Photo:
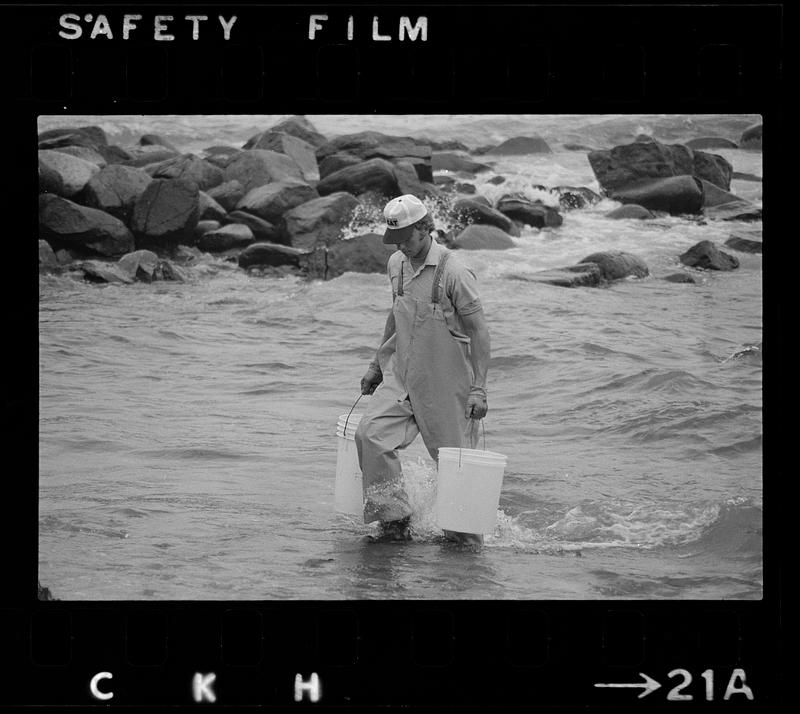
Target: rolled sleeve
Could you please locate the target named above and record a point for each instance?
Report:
(462, 289)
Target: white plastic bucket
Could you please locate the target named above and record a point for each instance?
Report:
(348, 491)
(468, 489)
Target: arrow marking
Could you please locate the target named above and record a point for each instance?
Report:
(649, 684)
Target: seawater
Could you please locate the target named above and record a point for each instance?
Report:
(187, 443)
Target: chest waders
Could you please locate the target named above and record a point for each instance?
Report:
(426, 382)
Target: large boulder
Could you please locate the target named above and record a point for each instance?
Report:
(99, 271)
(713, 168)
(616, 264)
(715, 196)
(751, 138)
(477, 237)
(408, 180)
(86, 153)
(156, 140)
(631, 211)
(301, 151)
(637, 161)
(115, 190)
(707, 256)
(361, 254)
(571, 197)
(147, 155)
(738, 210)
(302, 128)
(91, 136)
(233, 235)
(467, 210)
(190, 168)
(113, 154)
(166, 213)
(227, 194)
(319, 221)
(266, 254)
(256, 167)
(139, 265)
(334, 162)
(373, 176)
(373, 144)
(271, 201)
(221, 156)
(452, 161)
(521, 145)
(573, 276)
(63, 174)
(47, 257)
(65, 224)
(675, 195)
(711, 142)
(518, 208)
(263, 231)
(208, 209)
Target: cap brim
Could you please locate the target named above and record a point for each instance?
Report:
(398, 235)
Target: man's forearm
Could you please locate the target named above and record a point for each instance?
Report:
(480, 347)
(388, 331)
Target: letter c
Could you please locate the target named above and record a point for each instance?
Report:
(96, 693)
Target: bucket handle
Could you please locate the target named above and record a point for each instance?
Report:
(351, 411)
(470, 425)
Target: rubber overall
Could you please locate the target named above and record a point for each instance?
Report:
(426, 381)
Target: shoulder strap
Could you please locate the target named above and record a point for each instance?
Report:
(437, 276)
(400, 281)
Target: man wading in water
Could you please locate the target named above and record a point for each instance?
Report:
(431, 366)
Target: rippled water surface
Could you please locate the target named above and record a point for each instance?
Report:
(188, 448)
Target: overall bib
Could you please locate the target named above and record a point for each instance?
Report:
(426, 381)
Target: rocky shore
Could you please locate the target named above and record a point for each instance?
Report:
(288, 200)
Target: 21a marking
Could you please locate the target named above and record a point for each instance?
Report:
(736, 685)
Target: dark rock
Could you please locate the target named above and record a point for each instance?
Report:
(713, 168)
(166, 213)
(302, 152)
(47, 258)
(571, 197)
(84, 152)
(66, 224)
(373, 144)
(334, 162)
(586, 275)
(644, 139)
(271, 201)
(623, 165)
(362, 254)
(741, 176)
(139, 265)
(319, 221)
(220, 156)
(261, 254)
(63, 174)
(204, 227)
(715, 196)
(189, 168)
(165, 270)
(302, 128)
(450, 161)
(679, 278)
(147, 155)
(115, 190)
(98, 271)
(468, 188)
(711, 142)
(707, 256)
(480, 198)
(443, 180)
(65, 256)
(91, 136)
(113, 154)
(208, 209)
(521, 145)
(676, 195)
(630, 211)
(497, 180)
(483, 237)
(233, 235)
(408, 180)
(615, 265)
(739, 210)
(263, 231)
(157, 140)
(258, 167)
(422, 167)
(752, 137)
(744, 244)
(520, 209)
(44, 593)
(227, 194)
(467, 210)
(578, 147)
(374, 175)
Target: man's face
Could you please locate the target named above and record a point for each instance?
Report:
(415, 247)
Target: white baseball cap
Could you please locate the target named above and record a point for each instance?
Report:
(401, 214)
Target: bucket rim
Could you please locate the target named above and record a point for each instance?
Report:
(482, 454)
